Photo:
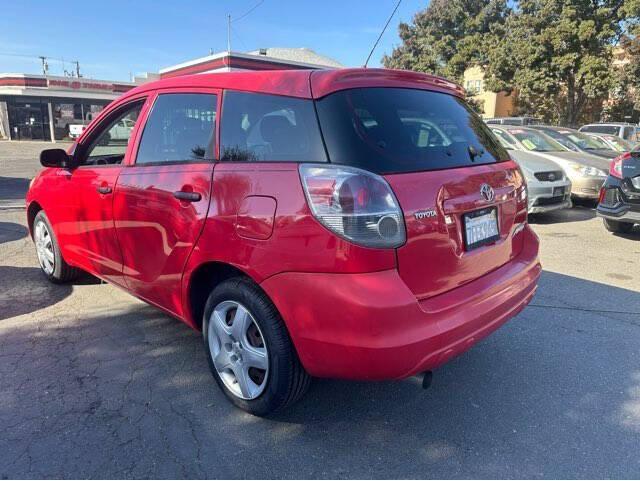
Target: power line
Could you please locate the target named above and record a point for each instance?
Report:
(248, 11)
(382, 33)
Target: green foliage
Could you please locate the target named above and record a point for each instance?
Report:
(557, 54)
(447, 36)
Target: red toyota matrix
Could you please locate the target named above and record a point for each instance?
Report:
(358, 224)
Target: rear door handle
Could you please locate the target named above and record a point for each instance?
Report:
(187, 196)
(104, 189)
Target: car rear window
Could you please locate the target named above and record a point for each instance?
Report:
(601, 129)
(393, 130)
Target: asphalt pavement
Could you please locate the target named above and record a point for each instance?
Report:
(95, 384)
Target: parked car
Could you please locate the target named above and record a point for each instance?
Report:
(548, 187)
(623, 130)
(513, 121)
(587, 172)
(614, 142)
(352, 223)
(619, 204)
(578, 141)
(75, 130)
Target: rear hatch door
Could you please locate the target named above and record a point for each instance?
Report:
(441, 252)
(458, 190)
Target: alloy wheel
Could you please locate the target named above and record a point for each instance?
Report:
(44, 247)
(238, 350)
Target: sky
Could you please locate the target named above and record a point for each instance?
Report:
(114, 39)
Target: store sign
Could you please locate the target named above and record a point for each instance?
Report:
(76, 84)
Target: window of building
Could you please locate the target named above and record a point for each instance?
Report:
(180, 128)
(258, 127)
(69, 112)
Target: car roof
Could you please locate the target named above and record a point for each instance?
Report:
(613, 124)
(306, 83)
(553, 127)
(512, 127)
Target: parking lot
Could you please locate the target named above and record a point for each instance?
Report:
(94, 383)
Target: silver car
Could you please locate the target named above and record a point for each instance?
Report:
(587, 172)
(547, 185)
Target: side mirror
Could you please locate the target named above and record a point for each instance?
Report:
(55, 158)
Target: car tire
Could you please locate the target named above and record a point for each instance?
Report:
(52, 264)
(232, 347)
(617, 226)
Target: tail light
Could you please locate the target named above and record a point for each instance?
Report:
(603, 193)
(615, 168)
(521, 191)
(355, 204)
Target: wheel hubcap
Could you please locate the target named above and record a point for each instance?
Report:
(44, 247)
(238, 350)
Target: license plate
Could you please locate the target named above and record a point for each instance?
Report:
(481, 227)
(558, 191)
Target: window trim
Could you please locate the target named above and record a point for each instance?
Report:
(178, 90)
(96, 130)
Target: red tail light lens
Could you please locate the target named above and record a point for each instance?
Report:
(355, 204)
(603, 192)
(615, 168)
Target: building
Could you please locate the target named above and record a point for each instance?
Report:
(495, 104)
(38, 107)
(263, 59)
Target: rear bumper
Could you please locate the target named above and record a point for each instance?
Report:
(371, 326)
(621, 213)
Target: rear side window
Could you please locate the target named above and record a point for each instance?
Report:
(601, 129)
(259, 127)
(390, 130)
(180, 128)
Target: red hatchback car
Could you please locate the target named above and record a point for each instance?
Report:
(359, 224)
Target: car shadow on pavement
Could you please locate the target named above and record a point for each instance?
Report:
(11, 231)
(555, 393)
(575, 214)
(24, 290)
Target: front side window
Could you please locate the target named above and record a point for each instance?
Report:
(394, 130)
(110, 146)
(180, 128)
(259, 127)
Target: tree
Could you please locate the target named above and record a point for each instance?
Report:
(447, 36)
(555, 54)
(558, 55)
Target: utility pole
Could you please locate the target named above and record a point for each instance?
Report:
(229, 33)
(45, 66)
(77, 69)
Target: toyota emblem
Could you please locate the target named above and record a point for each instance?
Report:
(552, 177)
(487, 192)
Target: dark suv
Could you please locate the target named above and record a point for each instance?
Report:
(619, 203)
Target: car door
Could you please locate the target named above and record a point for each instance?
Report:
(83, 210)
(162, 197)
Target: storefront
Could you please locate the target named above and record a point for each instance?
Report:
(34, 107)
